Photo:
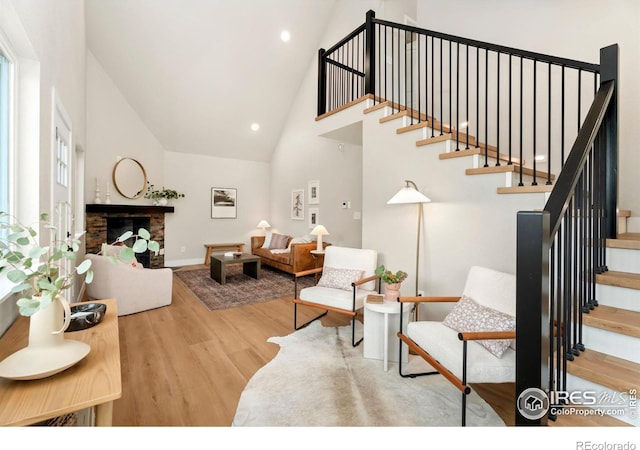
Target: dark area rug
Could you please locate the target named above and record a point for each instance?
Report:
(240, 289)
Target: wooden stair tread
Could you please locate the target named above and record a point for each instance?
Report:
(526, 189)
(433, 140)
(345, 106)
(619, 279)
(403, 113)
(624, 213)
(508, 168)
(377, 106)
(415, 126)
(474, 151)
(618, 320)
(624, 242)
(615, 373)
(629, 236)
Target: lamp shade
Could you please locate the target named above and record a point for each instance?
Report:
(263, 224)
(319, 230)
(408, 194)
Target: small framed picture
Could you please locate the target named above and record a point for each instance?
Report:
(297, 204)
(223, 203)
(314, 214)
(314, 192)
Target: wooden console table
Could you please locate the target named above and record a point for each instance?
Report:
(235, 247)
(94, 381)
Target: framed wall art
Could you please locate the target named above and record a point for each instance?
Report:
(314, 214)
(314, 192)
(297, 204)
(224, 203)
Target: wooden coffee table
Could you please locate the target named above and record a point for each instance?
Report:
(219, 263)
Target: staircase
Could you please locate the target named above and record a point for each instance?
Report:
(611, 332)
(470, 107)
(611, 361)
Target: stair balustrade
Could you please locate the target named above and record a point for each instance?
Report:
(531, 107)
(523, 104)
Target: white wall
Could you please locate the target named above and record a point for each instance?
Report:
(191, 226)
(301, 155)
(115, 130)
(573, 29)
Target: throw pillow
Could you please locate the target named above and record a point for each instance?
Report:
(469, 315)
(267, 240)
(339, 278)
(279, 241)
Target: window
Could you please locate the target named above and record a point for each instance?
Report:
(5, 90)
(5, 154)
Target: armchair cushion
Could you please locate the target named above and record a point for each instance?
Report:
(339, 278)
(443, 345)
(469, 315)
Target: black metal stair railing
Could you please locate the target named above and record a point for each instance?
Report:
(523, 105)
(561, 249)
(516, 106)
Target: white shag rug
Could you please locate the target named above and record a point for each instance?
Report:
(318, 379)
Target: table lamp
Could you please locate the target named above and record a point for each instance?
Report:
(319, 231)
(263, 224)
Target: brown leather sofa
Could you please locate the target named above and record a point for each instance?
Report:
(297, 259)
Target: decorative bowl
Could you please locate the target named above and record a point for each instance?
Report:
(86, 315)
(237, 254)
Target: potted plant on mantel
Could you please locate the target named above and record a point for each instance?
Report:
(38, 273)
(161, 197)
(392, 282)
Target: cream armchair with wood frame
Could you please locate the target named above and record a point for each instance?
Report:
(475, 343)
(348, 277)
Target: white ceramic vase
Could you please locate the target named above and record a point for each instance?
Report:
(48, 352)
(47, 326)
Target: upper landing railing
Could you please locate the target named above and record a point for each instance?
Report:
(524, 105)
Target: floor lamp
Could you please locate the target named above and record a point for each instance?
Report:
(410, 194)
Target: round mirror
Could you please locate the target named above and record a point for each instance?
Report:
(129, 178)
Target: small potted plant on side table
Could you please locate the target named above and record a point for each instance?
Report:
(392, 282)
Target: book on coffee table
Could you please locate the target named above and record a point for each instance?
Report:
(374, 298)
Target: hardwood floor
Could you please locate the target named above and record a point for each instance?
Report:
(183, 365)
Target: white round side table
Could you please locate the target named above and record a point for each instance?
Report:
(380, 332)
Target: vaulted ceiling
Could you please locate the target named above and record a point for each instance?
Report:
(200, 72)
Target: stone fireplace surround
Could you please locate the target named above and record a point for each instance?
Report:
(97, 216)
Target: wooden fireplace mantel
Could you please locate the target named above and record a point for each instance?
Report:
(131, 209)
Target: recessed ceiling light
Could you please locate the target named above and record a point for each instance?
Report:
(285, 36)
(255, 126)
